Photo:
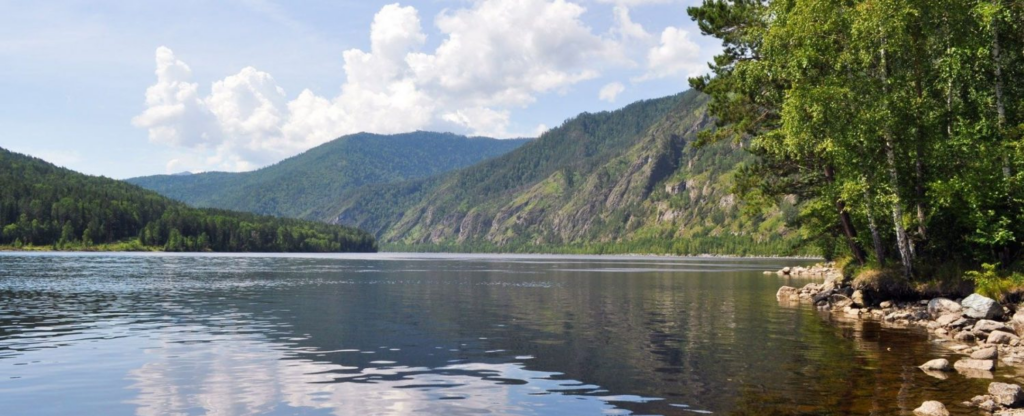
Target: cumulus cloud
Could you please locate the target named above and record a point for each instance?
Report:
(675, 55)
(494, 56)
(611, 91)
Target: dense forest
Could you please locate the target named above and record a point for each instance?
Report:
(304, 185)
(897, 124)
(42, 205)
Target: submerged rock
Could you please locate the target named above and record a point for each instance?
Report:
(931, 408)
(939, 364)
(980, 307)
(1009, 395)
(942, 306)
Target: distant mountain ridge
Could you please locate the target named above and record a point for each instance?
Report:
(302, 186)
(629, 180)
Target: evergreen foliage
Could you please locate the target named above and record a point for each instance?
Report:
(45, 205)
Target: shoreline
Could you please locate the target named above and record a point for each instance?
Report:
(984, 333)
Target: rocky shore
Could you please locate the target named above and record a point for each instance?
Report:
(985, 333)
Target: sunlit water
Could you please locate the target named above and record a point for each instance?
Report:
(389, 334)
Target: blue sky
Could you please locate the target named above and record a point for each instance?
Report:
(131, 88)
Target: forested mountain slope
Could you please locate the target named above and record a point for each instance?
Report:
(304, 185)
(624, 181)
(45, 205)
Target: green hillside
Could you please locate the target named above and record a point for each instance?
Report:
(624, 181)
(304, 185)
(45, 206)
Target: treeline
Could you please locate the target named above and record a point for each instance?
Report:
(45, 205)
(897, 124)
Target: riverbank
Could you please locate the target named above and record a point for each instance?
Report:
(985, 333)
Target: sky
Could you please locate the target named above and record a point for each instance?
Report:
(132, 88)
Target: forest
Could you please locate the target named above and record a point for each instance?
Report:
(45, 206)
(897, 124)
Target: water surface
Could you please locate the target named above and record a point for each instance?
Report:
(397, 334)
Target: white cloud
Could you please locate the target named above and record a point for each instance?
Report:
(611, 91)
(625, 27)
(493, 56)
(174, 112)
(676, 54)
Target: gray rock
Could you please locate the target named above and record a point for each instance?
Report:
(965, 336)
(980, 307)
(931, 408)
(938, 364)
(860, 300)
(840, 301)
(1017, 322)
(942, 306)
(1009, 395)
(947, 319)
(990, 353)
(885, 305)
(987, 326)
(787, 293)
(972, 364)
(1000, 337)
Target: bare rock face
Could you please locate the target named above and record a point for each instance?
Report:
(1000, 337)
(940, 364)
(931, 408)
(972, 364)
(942, 306)
(1009, 395)
(980, 307)
(990, 353)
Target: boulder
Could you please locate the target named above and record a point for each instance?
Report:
(1017, 322)
(990, 353)
(860, 299)
(787, 293)
(965, 336)
(1009, 395)
(942, 306)
(987, 326)
(938, 364)
(1000, 337)
(972, 364)
(931, 408)
(786, 270)
(839, 301)
(947, 319)
(960, 323)
(980, 307)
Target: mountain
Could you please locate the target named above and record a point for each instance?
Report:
(630, 180)
(304, 185)
(42, 205)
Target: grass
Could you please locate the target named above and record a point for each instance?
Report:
(129, 245)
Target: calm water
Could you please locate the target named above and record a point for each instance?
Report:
(387, 334)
